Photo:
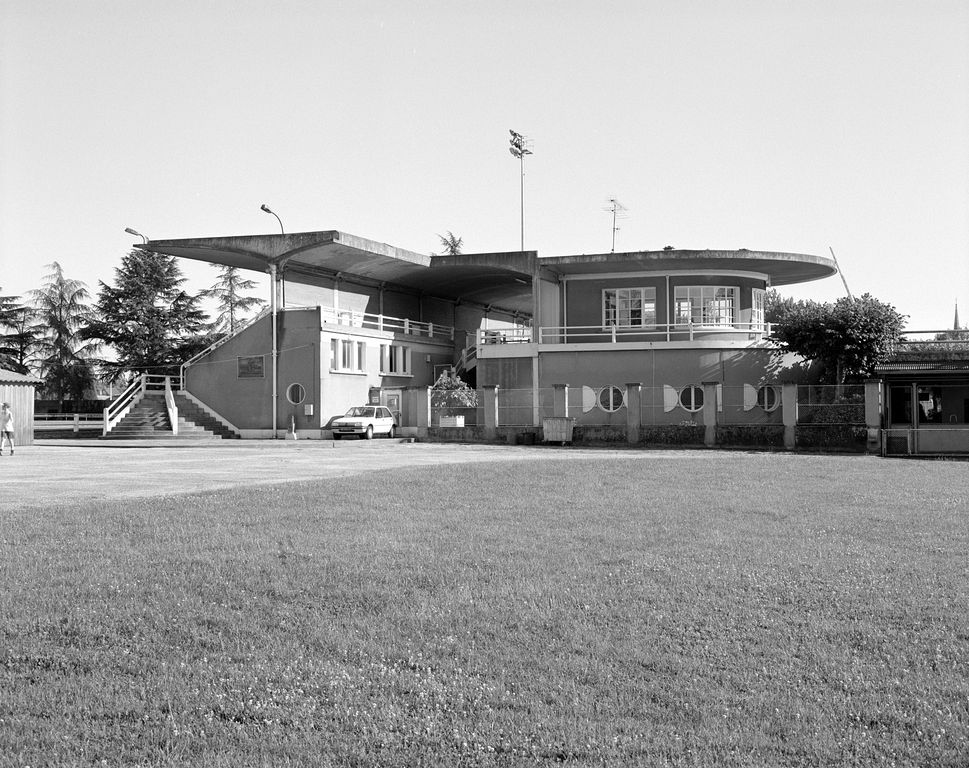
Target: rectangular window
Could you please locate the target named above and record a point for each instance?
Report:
(347, 355)
(704, 304)
(757, 309)
(395, 360)
(629, 307)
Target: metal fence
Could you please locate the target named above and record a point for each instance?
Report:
(830, 404)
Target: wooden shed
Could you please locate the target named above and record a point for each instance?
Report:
(18, 390)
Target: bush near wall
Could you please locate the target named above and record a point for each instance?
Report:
(831, 437)
(751, 435)
(469, 434)
(838, 426)
(673, 434)
(592, 434)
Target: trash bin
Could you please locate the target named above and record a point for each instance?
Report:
(558, 429)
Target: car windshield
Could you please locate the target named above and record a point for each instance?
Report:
(360, 411)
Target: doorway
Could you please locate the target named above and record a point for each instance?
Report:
(391, 398)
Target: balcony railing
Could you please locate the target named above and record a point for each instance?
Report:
(386, 323)
(596, 334)
(504, 335)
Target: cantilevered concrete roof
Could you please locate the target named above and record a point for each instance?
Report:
(500, 279)
(780, 268)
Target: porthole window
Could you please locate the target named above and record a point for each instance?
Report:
(610, 399)
(691, 398)
(767, 398)
(295, 393)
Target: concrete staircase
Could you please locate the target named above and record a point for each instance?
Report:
(195, 422)
(148, 420)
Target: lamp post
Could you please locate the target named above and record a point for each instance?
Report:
(130, 231)
(274, 309)
(519, 150)
(266, 208)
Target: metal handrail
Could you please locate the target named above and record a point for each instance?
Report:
(216, 344)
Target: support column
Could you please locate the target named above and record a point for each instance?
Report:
(710, 413)
(873, 414)
(422, 410)
(634, 412)
(789, 413)
(490, 404)
(560, 400)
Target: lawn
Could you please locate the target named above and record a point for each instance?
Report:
(706, 609)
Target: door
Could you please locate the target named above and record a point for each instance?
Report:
(391, 399)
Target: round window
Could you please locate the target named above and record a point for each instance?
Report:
(691, 398)
(767, 398)
(296, 394)
(610, 399)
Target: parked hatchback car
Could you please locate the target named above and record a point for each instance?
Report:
(365, 421)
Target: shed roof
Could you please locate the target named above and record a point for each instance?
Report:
(12, 377)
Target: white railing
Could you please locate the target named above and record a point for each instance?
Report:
(347, 317)
(73, 421)
(118, 409)
(170, 406)
(504, 335)
(596, 334)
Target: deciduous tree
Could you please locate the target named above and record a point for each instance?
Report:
(848, 338)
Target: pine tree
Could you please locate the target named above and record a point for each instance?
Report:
(65, 356)
(231, 303)
(452, 244)
(151, 323)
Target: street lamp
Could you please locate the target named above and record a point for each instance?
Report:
(265, 208)
(519, 150)
(130, 231)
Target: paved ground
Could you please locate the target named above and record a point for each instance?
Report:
(52, 472)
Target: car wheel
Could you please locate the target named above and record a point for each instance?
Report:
(336, 436)
(390, 432)
(369, 433)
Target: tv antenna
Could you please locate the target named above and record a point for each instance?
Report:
(619, 211)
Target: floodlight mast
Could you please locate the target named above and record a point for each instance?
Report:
(518, 149)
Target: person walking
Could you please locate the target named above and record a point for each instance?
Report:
(6, 427)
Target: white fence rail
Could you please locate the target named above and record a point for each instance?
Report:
(44, 422)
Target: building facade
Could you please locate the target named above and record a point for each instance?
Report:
(354, 321)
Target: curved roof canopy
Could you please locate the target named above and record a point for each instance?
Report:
(500, 279)
(780, 268)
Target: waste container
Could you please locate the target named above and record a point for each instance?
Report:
(558, 429)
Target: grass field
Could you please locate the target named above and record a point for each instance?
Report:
(707, 609)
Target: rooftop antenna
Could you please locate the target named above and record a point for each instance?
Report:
(618, 211)
(845, 282)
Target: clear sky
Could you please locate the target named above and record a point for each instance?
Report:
(773, 125)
